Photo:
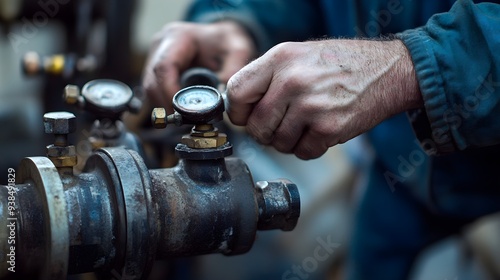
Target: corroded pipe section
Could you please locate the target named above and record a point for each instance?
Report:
(117, 216)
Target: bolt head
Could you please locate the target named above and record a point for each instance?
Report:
(59, 123)
(159, 118)
(71, 94)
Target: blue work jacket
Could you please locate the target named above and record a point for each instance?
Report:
(446, 153)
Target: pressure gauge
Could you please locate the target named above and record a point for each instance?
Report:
(107, 94)
(198, 104)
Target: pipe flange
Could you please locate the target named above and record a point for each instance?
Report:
(184, 152)
(141, 236)
(42, 173)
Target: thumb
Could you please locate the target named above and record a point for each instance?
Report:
(246, 88)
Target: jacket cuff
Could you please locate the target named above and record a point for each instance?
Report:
(430, 126)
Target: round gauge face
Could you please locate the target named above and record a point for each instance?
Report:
(107, 93)
(197, 99)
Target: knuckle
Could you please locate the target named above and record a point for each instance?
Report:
(294, 79)
(293, 82)
(312, 105)
(233, 87)
(309, 151)
(283, 143)
(160, 69)
(285, 50)
(260, 133)
(322, 131)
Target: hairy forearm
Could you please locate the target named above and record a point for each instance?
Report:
(384, 71)
(406, 78)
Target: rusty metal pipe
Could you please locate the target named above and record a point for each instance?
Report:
(205, 207)
(117, 216)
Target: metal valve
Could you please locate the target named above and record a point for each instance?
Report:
(107, 100)
(104, 98)
(117, 216)
(199, 102)
(200, 105)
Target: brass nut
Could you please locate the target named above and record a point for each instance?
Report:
(159, 118)
(57, 151)
(71, 94)
(68, 161)
(207, 133)
(203, 142)
(54, 64)
(204, 127)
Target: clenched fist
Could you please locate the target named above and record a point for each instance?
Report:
(303, 98)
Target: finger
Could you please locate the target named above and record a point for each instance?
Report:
(289, 132)
(268, 114)
(265, 118)
(237, 51)
(310, 146)
(151, 87)
(234, 61)
(246, 88)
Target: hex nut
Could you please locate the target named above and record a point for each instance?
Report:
(159, 118)
(203, 142)
(68, 161)
(71, 94)
(57, 151)
(59, 123)
(207, 133)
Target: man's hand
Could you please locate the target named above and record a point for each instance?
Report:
(306, 97)
(224, 47)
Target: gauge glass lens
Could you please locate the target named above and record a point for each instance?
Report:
(108, 94)
(197, 100)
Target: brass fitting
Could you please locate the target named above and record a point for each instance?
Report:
(71, 94)
(67, 161)
(159, 118)
(54, 64)
(204, 142)
(204, 130)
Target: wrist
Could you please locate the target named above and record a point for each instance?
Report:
(409, 95)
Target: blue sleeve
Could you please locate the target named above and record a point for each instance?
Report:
(269, 22)
(457, 62)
